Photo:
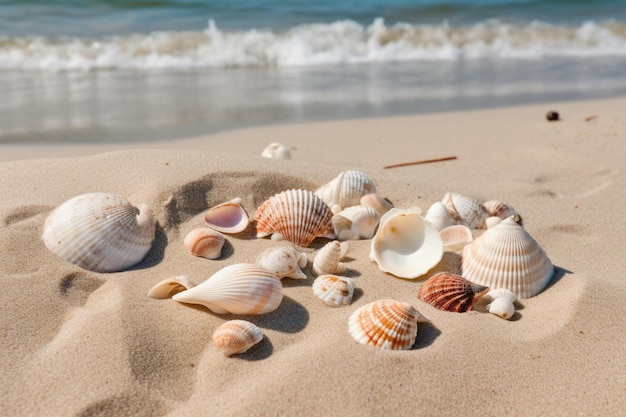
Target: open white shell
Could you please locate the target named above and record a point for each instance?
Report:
(228, 217)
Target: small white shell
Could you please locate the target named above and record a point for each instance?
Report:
(277, 151)
(465, 210)
(378, 203)
(501, 293)
(334, 290)
(283, 261)
(499, 209)
(236, 336)
(502, 307)
(455, 237)
(346, 190)
(327, 259)
(228, 217)
(355, 222)
(204, 242)
(438, 216)
(170, 286)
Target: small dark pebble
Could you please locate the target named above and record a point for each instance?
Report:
(552, 116)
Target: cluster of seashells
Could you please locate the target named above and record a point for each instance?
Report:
(106, 233)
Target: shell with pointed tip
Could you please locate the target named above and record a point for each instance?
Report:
(204, 242)
(507, 256)
(450, 292)
(100, 232)
(438, 216)
(406, 245)
(228, 217)
(236, 336)
(455, 237)
(387, 324)
(170, 286)
(333, 289)
(378, 203)
(237, 289)
(499, 209)
(327, 259)
(346, 190)
(355, 222)
(298, 216)
(282, 261)
(277, 151)
(465, 210)
(502, 307)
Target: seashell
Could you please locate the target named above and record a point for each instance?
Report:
(465, 210)
(387, 324)
(492, 221)
(204, 242)
(501, 293)
(378, 203)
(277, 151)
(237, 289)
(100, 232)
(333, 289)
(355, 222)
(455, 237)
(228, 217)
(283, 261)
(438, 216)
(298, 216)
(168, 287)
(502, 307)
(236, 336)
(507, 256)
(450, 292)
(346, 190)
(406, 245)
(327, 259)
(499, 209)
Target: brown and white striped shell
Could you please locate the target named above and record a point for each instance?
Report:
(298, 216)
(346, 190)
(236, 336)
(327, 260)
(284, 261)
(465, 210)
(228, 217)
(204, 242)
(450, 292)
(355, 222)
(502, 210)
(387, 324)
(334, 290)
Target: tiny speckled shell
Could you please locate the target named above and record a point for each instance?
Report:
(334, 290)
(204, 242)
(236, 336)
(450, 292)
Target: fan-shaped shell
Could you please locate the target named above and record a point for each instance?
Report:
(502, 307)
(499, 209)
(170, 286)
(277, 151)
(327, 260)
(387, 324)
(204, 242)
(455, 237)
(355, 222)
(228, 217)
(501, 293)
(346, 190)
(298, 216)
(237, 289)
(334, 290)
(438, 216)
(283, 261)
(378, 203)
(406, 245)
(236, 336)
(450, 292)
(465, 210)
(100, 232)
(507, 256)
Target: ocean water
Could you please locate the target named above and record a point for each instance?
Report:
(128, 70)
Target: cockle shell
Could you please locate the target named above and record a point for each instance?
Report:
(204, 242)
(277, 151)
(378, 203)
(170, 286)
(334, 290)
(406, 245)
(228, 217)
(450, 292)
(502, 307)
(237, 289)
(387, 324)
(355, 222)
(327, 260)
(236, 336)
(501, 293)
(346, 190)
(438, 216)
(465, 210)
(507, 256)
(283, 261)
(298, 216)
(100, 232)
(455, 237)
(499, 209)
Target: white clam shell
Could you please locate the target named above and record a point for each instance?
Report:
(507, 256)
(346, 190)
(378, 203)
(228, 217)
(100, 232)
(502, 307)
(465, 210)
(277, 151)
(237, 289)
(204, 242)
(169, 287)
(455, 237)
(283, 261)
(236, 336)
(406, 245)
(327, 260)
(438, 216)
(334, 290)
(355, 222)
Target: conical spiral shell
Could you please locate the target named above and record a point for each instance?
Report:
(438, 216)
(499, 209)
(228, 217)
(327, 260)
(170, 286)
(465, 210)
(100, 232)
(236, 336)
(334, 290)
(450, 292)
(237, 289)
(283, 262)
(298, 216)
(204, 242)
(346, 190)
(507, 256)
(355, 222)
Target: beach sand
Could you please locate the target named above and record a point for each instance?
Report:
(82, 343)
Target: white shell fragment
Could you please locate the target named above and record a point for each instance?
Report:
(228, 217)
(502, 307)
(283, 261)
(334, 290)
(438, 216)
(465, 210)
(277, 151)
(355, 222)
(236, 336)
(346, 190)
(170, 286)
(455, 237)
(204, 242)
(100, 232)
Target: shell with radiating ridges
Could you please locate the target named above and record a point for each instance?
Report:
(387, 324)
(465, 210)
(502, 307)
(334, 290)
(169, 287)
(502, 210)
(298, 216)
(276, 150)
(283, 261)
(455, 237)
(327, 260)
(378, 203)
(228, 217)
(236, 336)
(204, 242)
(237, 289)
(355, 222)
(507, 256)
(450, 292)
(100, 232)
(346, 190)
(501, 293)
(439, 216)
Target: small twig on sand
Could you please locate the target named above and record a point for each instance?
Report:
(425, 161)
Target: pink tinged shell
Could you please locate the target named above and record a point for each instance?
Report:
(100, 232)
(455, 237)
(327, 260)
(283, 262)
(346, 190)
(438, 216)
(499, 209)
(237, 289)
(465, 210)
(169, 287)
(450, 292)
(507, 256)
(298, 216)
(204, 242)
(236, 336)
(378, 203)
(334, 290)
(387, 324)
(228, 217)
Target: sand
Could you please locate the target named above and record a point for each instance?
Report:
(76, 342)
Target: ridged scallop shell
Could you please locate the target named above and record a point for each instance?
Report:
(100, 232)
(298, 216)
(507, 256)
(499, 209)
(406, 245)
(355, 222)
(450, 292)
(378, 203)
(283, 262)
(228, 217)
(277, 151)
(501, 293)
(455, 237)
(438, 216)
(346, 190)
(502, 307)
(237, 289)
(387, 324)
(204, 242)
(327, 260)
(334, 290)
(169, 287)
(465, 210)
(236, 336)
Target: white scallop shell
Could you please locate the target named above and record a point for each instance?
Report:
(502, 307)
(355, 222)
(204, 242)
(499, 209)
(237, 289)
(406, 245)
(283, 261)
(455, 237)
(100, 232)
(378, 203)
(465, 210)
(438, 216)
(277, 151)
(236, 336)
(327, 260)
(170, 286)
(346, 190)
(507, 256)
(334, 290)
(501, 293)
(228, 217)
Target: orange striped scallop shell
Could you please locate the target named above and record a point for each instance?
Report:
(450, 292)
(236, 336)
